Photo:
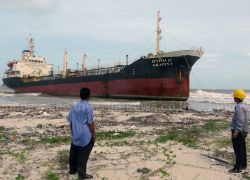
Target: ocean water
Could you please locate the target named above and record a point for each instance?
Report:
(200, 100)
(209, 100)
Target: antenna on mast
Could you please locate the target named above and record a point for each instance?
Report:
(31, 45)
(84, 62)
(65, 61)
(158, 30)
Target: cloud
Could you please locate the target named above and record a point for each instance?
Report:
(29, 6)
(212, 55)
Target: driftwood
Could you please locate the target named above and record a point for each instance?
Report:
(217, 159)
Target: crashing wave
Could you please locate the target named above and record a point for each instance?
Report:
(214, 97)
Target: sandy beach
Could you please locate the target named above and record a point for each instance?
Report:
(131, 144)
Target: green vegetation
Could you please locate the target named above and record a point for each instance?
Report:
(189, 136)
(105, 178)
(20, 156)
(19, 177)
(169, 156)
(214, 126)
(8, 135)
(223, 143)
(3, 136)
(2, 128)
(101, 135)
(246, 176)
(52, 176)
(164, 174)
(248, 148)
(62, 158)
(56, 139)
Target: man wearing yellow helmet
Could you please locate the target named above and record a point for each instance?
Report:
(239, 127)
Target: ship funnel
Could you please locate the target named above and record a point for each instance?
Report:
(65, 61)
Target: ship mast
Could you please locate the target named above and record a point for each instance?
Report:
(158, 30)
(31, 45)
(84, 62)
(65, 61)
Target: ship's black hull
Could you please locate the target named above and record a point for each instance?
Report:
(146, 78)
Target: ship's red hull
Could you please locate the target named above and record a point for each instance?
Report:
(153, 88)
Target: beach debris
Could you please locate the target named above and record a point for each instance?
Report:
(3, 115)
(45, 114)
(216, 158)
(133, 127)
(116, 134)
(56, 116)
(143, 170)
(39, 126)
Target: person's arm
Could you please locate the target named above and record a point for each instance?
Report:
(69, 120)
(71, 129)
(90, 122)
(240, 118)
(92, 130)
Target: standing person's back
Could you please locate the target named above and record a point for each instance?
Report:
(83, 135)
(80, 116)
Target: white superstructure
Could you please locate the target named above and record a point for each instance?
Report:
(29, 65)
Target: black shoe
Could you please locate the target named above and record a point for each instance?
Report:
(72, 172)
(86, 176)
(235, 170)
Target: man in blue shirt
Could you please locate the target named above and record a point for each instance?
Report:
(239, 127)
(83, 135)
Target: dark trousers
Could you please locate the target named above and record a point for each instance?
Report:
(78, 158)
(239, 146)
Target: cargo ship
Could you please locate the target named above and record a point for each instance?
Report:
(160, 75)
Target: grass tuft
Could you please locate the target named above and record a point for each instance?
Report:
(189, 136)
(21, 156)
(223, 143)
(3, 136)
(186, 136)
(101, 135)
(2, 128)
(52, 176)
(214, 126)
(56, 139)
(19, 177)
(63, 158)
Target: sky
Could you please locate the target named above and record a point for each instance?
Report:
(110, 29)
